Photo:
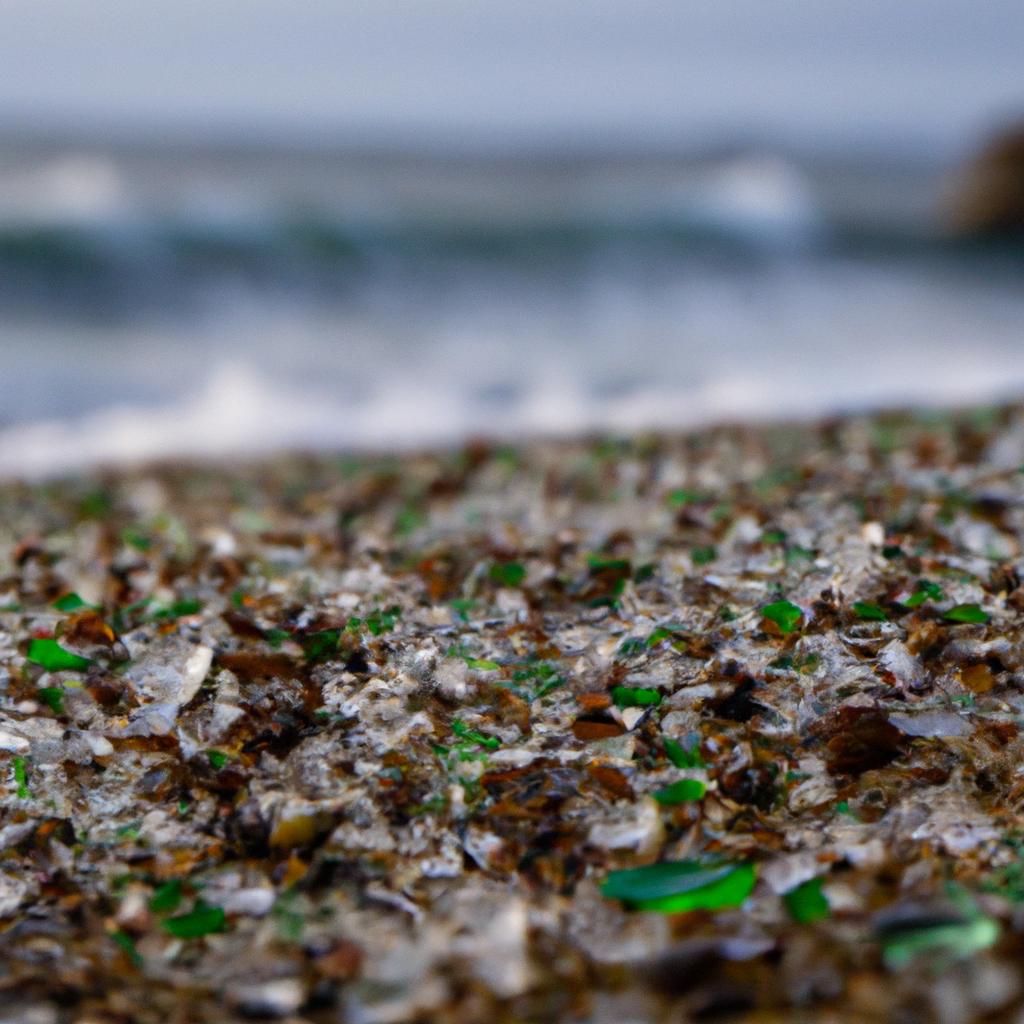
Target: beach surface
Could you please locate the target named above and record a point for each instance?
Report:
(705, 726)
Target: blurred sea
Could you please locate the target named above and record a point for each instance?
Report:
(207, 299)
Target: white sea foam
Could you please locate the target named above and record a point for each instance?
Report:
(237, 411)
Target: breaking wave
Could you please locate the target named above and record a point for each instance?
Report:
(124, 234)
(156, 304)
(238, 410)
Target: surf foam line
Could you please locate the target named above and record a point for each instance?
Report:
(237, 412)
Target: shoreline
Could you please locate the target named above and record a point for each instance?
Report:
(225, 424)
(385, 738)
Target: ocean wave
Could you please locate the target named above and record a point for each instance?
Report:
(149, 310)
(72, 274)
(120, 233)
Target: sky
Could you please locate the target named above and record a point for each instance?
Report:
(917, 72)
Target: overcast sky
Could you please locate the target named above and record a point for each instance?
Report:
(923, 71)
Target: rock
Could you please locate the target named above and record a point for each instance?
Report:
(989, 197)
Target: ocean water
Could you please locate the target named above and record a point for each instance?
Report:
(201, 300)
